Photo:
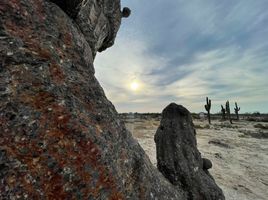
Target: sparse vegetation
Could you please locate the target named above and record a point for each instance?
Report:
(255, 134)
(257, 117)
(228, 111)
(195, 116)
(227, 125)
(228, 142)
(198, 126)
(223, 111)
(236, 109)
(261, 126)
(208, 107)
(257, 113)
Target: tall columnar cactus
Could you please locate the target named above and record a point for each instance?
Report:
(228, 111)
(236, 109)
(223, 111)
(207, 107)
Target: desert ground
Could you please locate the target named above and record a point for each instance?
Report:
(238, 151)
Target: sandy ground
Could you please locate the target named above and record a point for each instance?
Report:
(240, 159)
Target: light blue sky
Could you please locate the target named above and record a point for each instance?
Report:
(182, 51)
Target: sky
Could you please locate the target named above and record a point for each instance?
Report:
(184, 51)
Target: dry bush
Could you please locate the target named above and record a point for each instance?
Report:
(198, 126)
(261, 126)
(255, 134)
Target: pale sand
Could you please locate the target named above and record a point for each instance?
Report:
(241, 170)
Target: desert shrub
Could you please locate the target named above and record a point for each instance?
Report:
(195, 116)
(198, 126)
(225, 125)
(207, 126)
(261, 126)
(258, 135)
(256, 113)
(251, 119)
(255, 134)
(264, 118)
(257, 119)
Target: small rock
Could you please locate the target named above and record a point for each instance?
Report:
(218, 155)
(126, 12)
(207, 164)
(219, 143)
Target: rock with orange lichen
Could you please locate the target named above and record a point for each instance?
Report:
(60, 138)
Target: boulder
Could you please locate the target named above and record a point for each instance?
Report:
(178, 158)
(60, 137)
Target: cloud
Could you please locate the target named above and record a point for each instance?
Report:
(183, 51)
(224, 74)
(128, 62)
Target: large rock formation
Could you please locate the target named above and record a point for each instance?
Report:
(60, 138)
(178, 157)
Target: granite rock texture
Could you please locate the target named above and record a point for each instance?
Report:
(178, 158)
(60, 138)
(98, 20)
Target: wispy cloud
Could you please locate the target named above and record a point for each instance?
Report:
(184, 51)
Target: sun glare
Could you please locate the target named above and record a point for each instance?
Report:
(134, 86)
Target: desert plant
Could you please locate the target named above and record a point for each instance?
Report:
(228, 111)
(223, 112)
(261, 126)
(256, 113)
(195, 116)
(236, 109)
(207, 107)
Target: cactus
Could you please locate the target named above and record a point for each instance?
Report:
(207, 107)
(228, 111)
(223, 112)
(236, 109)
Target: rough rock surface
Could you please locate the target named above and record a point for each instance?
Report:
(60, 138)
(98, 20)
(178, 157)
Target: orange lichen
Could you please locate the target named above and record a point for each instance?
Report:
(57, 127)
(41, 100)
(54, 188)
(54, 126)
(60, 133)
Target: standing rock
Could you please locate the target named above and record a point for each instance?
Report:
(178, 158)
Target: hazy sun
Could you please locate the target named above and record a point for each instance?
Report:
(134, 86)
